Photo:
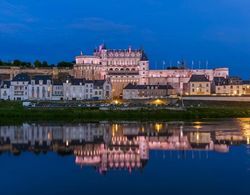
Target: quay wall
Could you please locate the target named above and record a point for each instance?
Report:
(219, 98)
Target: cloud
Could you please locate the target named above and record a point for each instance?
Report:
(100, 24)
(9, 28)
(11, 10)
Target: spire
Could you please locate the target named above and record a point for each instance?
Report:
(129, 48)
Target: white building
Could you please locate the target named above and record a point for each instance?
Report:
(5, 90)
(81, 89)
(40, 88)
(19, 87)
(57, 90)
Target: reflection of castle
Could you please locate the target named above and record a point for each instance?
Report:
(112, 146)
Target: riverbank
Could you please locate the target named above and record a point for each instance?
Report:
(13, 112)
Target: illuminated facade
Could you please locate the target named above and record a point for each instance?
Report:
(132, 66)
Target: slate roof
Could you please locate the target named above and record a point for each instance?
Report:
(246, 82)
(132, 86)
(22, 77)
(97, 83)
(77, 81)
(198, 78)
(5, 83)
(43, 78)
(220, 81)
(57, 82)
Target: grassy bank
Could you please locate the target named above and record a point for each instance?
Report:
(13, 112)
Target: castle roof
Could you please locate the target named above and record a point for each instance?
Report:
(198, 78)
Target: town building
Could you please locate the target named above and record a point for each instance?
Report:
(81, 89)
(5, 90)
(40, 87)
(19, 87)
(57, 90)
(199, 85)
(134, 91)
(231, 86)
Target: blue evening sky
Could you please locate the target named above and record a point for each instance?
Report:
(217, 31)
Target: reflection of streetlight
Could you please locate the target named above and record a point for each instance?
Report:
(197, 137)
(158, 102)
(245, 128)
(158, 127)
(49, 136)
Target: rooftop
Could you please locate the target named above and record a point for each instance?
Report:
(5, 84)
(22, 77)
(43, 78)
(198, 78)
(132, 86)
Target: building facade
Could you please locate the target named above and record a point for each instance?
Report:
(231, 86)
(5, 90)
(40, 88)
(121, 67)
(132, 66)
(132, 91)
(19, 87)
(81, 89)
(199, 85)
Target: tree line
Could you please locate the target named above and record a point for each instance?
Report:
(36, 64)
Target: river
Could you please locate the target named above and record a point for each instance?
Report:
(126, 158)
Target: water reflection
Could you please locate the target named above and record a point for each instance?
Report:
(107, 146)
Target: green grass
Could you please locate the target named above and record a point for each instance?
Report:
(13, 112)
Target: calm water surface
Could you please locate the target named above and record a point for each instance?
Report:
(126, 158)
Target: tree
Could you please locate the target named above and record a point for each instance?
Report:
(17, 63)
(65, 64)
(45, 64)
(37, 64)
(26, 64)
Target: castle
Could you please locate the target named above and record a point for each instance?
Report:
(126, 66)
